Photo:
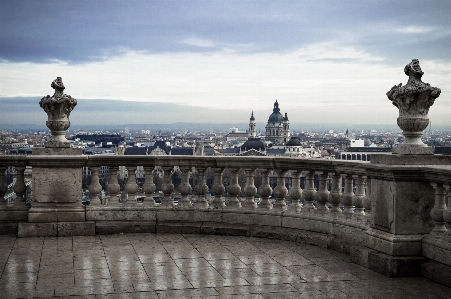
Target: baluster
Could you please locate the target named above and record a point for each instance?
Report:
(447, 213)
(250, 190)
(367, 199)
(218, 189)
(295, 192)
(167, 187)
(280, 192)
(322, 196)
(347, 196)
(113, 187)
(335, 194)
(309, 192)
(149, 186)
(201, 190)
(439, 208)
(131, 187)
(3, 186)
(19, 187)
(184, 189)
(265, 190)
(357, 199)
(234, 190)
(94, 188)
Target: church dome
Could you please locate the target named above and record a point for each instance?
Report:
(253, 143)
(276, 116)
(294, 141)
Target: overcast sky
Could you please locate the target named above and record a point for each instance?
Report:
(324, 61)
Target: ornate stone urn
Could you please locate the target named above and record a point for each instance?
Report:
(413, 101)
(58, 108)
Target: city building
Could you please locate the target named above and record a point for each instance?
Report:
(278, 126)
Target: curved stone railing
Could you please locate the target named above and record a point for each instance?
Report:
(385, 215)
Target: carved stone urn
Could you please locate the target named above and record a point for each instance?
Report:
(413, 101)
(58, 108)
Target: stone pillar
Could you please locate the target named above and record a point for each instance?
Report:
(322, 196)
(218, 190)
(280, 192)
(95, 188)
(335, 194)
(234, 190)
(167, 188)
(149, 186)
(309, 192)
(439, 208)
(185, 189)
(359, 196)
(201, 190)
(447, 213)
(131, 187)
(295, 192)
(19, 186)
(348, 195)
(265, 191)
(113, 187)
(250, 190)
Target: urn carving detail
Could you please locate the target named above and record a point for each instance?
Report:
(413, 101)
(58, 108)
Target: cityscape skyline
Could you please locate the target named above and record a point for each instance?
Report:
(183, 61)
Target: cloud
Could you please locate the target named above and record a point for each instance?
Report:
(199, 42)
(414, 29)
(325, 82)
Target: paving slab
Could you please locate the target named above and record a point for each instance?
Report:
(131, 266)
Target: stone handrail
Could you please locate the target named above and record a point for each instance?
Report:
(385, 211)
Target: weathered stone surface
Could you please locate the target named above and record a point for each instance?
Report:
(57, 184)
(125, 213)
(9, 227)
(395, 266)
(60, 151)
(38, 229)
(398, 159)
(404, 149)
(399, 245)
(56, 212)
(117, 227)
(68, 229)
(402, 206)
(178, 227)
(437, 272)
(437, 248)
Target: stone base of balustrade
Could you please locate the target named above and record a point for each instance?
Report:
(437, 247)
(56, 212)
(437, 272)
(393, 245)
(10, 216)
(56, 229)
(118, 227)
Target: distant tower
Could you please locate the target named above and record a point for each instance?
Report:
(252, 133)
(286, 128)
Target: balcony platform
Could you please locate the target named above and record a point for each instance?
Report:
(148, 265)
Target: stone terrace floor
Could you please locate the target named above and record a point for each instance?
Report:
(190, 266)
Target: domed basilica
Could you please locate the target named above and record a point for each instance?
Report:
(278, 127)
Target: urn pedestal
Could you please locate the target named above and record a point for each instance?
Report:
(56, 209)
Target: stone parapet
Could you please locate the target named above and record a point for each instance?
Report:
(387, 214)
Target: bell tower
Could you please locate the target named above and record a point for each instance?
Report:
(252, 133)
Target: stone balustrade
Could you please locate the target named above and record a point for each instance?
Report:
(390, 217)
